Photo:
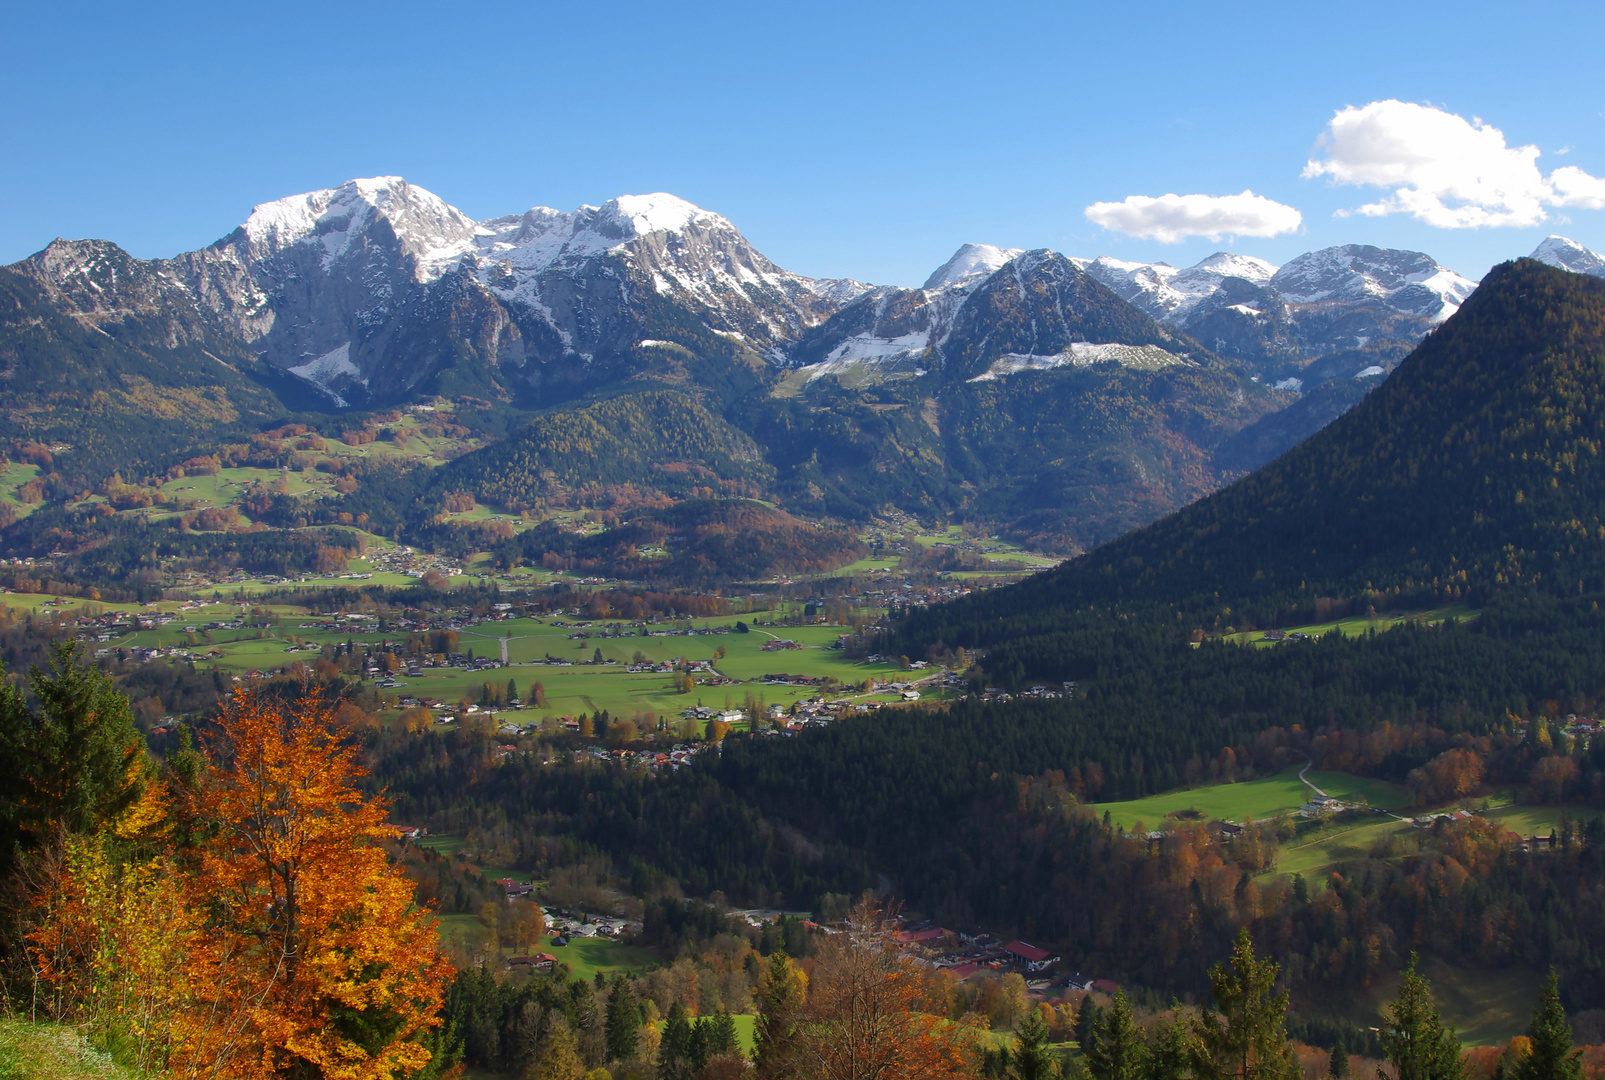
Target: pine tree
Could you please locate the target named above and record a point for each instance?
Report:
(1247, 1037)
(623, 1022)
(697, 1046)
(1418, 1043)
(776, 1035)
(1338, 1064)
(675, 1047)
(722, 1035)
(77, 761)
(1119, 1052)
(1551, 1056)
(1033, 1058)
(1171, 1051)
(1089, 1019)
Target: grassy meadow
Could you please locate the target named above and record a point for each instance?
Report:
(1261, 798)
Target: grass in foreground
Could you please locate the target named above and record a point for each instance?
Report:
(52, 1052)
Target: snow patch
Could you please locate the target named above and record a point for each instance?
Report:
(1084, 354)
(1294, 385)
(870, 348)
(326, 369)
(1366, 373)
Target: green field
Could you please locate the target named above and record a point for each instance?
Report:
(1360, 625)
(1378, 793)
(1529, 821)
(1315, 854)
(587, 956)
(12, 477)
(1486, 1007)
(1260, 799)
(569, 691)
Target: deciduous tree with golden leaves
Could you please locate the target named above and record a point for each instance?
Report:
(313, 959)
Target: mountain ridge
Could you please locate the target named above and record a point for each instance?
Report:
(1474, 469)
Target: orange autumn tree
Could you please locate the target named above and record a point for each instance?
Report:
(870, 1013)
(314, 959)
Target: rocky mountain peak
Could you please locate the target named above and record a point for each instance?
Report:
(1406, 281)
(970, 264)
(427, 229)
(1569, 255)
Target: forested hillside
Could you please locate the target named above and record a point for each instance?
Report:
(1475, 468)
(132, 391)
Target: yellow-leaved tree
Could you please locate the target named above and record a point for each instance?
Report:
(312, 958)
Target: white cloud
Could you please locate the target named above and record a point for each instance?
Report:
(1443, 169)
(1171, 219)
(1577, 188)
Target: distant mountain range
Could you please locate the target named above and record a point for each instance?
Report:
(1131, 388)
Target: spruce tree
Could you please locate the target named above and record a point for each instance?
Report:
(1089, 1019)
(776, 1034)
(76, 762)
(675, 1046)
(623, 1022)
(1417, 1041)
(1120, 1052)
(1551, 1056)
(1171, 1051)
(722, 1035)
(1338, 1065)
(1033, 1058)
(1246, 1036)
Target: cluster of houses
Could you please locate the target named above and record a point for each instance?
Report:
(404, 560)
(974, 954)
(669, 667)
(655, 758)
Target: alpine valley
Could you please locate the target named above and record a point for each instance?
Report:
(1126, 672)
(628, 357)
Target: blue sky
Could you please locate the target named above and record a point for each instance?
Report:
(855, 139)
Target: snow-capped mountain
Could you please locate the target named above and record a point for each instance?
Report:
(377, 290)
(1404, 281)
(1168, 293)
(987, 312)
(1569, 255)
(363, 288)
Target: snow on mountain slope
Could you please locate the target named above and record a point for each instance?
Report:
(969, 264)
(427, 228)
(890, 329)
(1085, 354)
(1168, 293)
(375, 270)
(1405, 281)
(1569, 255)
